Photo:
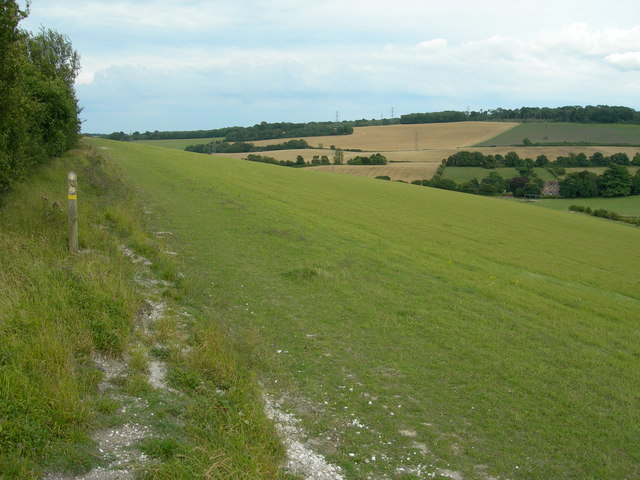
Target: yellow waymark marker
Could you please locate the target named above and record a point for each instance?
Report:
(72, 197)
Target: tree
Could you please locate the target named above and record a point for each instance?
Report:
(498, 184)
(338, 156)
(635, 186)
(300, 160)
(15, 105)
(489, 162)
(580, 184)
(472, 186)
(516, 185)
(512, 159)
(569, 187)
(531, 189)
(616, 181)
(38, 107)
(542, 161)
(445, 184)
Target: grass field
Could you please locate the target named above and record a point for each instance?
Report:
(627, 206)
(598, 170)
(414, 331)
(464, 174)
(177, 144)
(396, 171)
(558, 132)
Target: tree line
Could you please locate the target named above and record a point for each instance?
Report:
(572, 114)
(266, 130)
(244, 147)
(260, 131)
(466, 158)
(615, 181)
(38, 106)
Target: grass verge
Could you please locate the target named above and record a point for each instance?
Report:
(60, 312)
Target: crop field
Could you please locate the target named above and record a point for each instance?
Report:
(400, 156)
(413, 332)
(558, 132)
(464, 174)
(412, 137)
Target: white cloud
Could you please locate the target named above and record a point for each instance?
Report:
(625, 60)
(435, 44)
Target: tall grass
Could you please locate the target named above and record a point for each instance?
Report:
(57, 310)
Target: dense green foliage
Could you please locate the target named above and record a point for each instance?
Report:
(260, 131)
(434, 117)
(244, 147)
(375, 159)
(38, 107)
(615, 181)
(466, 158)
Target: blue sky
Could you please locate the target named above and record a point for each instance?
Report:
(194, 64)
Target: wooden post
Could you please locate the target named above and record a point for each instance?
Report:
(72, 196)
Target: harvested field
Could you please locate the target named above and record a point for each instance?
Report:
(422, 156)
(436, 155)
(403, 137)
(396, 171)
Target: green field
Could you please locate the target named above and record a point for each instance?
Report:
(464, 174)
(413, 330)
(627, 206)
(177, 144)
(558, 133)
(598, 170)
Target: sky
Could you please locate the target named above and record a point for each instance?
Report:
(195, 64)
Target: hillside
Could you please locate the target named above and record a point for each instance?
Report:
(426, 145)
(90, 343)
(560, 132)
(413, 331)
(392, 138)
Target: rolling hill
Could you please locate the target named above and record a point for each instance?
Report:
(413, 331)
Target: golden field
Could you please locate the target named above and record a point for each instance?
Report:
(435, 142)
(430, 136)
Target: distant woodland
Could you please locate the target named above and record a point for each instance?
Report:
(265, 130)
